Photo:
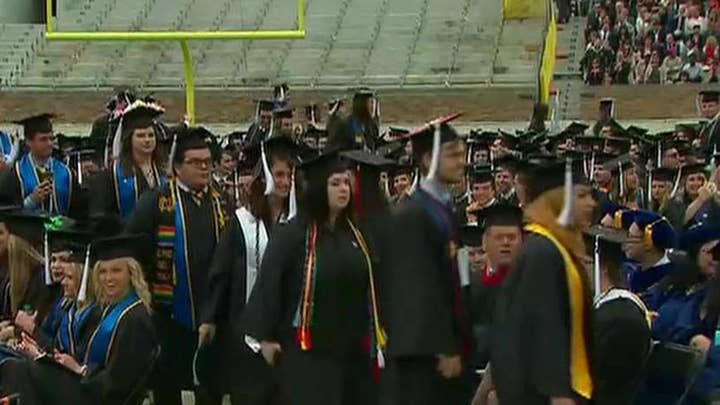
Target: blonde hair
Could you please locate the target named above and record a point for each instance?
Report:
(137, 280)
(77, 270)
(545, 210)
(23, 260)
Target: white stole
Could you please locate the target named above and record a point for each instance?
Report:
(249, 224)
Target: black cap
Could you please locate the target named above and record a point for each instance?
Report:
(72, 239)
(664, 174)
(620, 163)
(500, 215)
(134, 246)
(363, 93)
(401, 168)
(610, 242)
(324, 165)
(140, 115)
(191, 138)
(266, 105)
(709, 96)
(576, 128)
(548, 176)
(365, 158)
(283, 112)
(422, 138)
(471, 235)
(590, 143)
(696, 168)
(480, 174)
(28, 226)
(41, 123)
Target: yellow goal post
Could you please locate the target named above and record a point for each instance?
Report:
(181, 36)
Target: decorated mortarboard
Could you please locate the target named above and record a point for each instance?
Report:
(500, 215)
(698, 235)
(657, 230)
(72, 239)
(471, 235)
(139, 114)
(480, 174)
(41, 123)
(708, 95)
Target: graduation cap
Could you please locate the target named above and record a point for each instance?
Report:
(500, 215)
(617, 144)
(188, 139)
(576, 128)
(312, 113)
(666, 174)
(324, 165)
(471, 235)
(698, 235)
(549, 176)
(590, 143)
(657, 230)
(606, 246)
(686, 131)
(125, 95)
(139, 114)
(363, 93)
(280, 92)
(396, 132)
(401, 169)
(430, 137)
(73, 239)
(480, 174)
(709, 96)
(264, 105)
(335, 104)
(36, 124)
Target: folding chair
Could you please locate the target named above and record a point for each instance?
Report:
(670, 362)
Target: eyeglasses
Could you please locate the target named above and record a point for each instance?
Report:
(199, 163)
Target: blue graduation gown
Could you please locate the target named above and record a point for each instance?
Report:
(639, 280)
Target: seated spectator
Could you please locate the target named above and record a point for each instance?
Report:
(642, 23)
(677, 46)
(609, 34)
(641, 65)
(710, 49)
(694, 19)
(671, 66)
(652, 71)
(596, 73)
(592, 52)
(623, 69)
(683, 78)
(712, 73)
(624, 36)
(712, 24)
(693, 69)
(697, 37)
(647, 46)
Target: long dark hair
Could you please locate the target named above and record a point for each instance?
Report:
(316, 207)
(360, 109)
(259, 204)
(126, 156)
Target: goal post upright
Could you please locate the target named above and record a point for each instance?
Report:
(182, 37)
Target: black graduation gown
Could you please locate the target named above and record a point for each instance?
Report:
(40, 383)
(11, 194)
(419, 309)
(482, 306)
(530, 352)
(337, 370)
(252, 379)
(621, 344)
(102, 188)
(255, 134)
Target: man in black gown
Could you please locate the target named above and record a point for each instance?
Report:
(428, 326)
(185, 219)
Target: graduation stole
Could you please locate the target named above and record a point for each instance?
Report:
(62, 183)
(580, 377)
(304, 312)
(127, 188)
(172, 285)
(71, 324)
(445, 222)
(102, 339)
(50, 325)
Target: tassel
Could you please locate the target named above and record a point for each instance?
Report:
(269, 182)
(117, 140)
(566, 216)
(416, 180)
(715, 152)
(304, 338)
(79, 169)
(272, 127)
(380, 357)
(336, 106)
(82, 294)
(649, 190)
(676, 184)
(386, 184)
(171, 157)
(292, 204)
(46, 255)
(659, 155)
(492, 159)
(622, 180)
(596, 266)
(592, 166)
(435, 160)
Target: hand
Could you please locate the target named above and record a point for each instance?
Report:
(206, 333)
(26, 321)
(449, 366)
(270, 351)
(705, 192)
(42, 191)
(68, 361)
(701, 343)
(29, 346)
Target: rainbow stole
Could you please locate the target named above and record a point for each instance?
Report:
(172, 285)
(304, 312)
(102, 339)
(126, 188)
(68, 334)
(62, 184)
(445, 223)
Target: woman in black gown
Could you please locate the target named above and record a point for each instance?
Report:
(314, 308)
(117, 353)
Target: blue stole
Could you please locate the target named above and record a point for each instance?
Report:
(50, 324)
(68, 334)
(127, 189)
(62, 183)
(101, 341)
(6, 146)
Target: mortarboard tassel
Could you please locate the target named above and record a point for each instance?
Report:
(46, 256)
(676, 183)
(272, 126)
(596, 266)
(659, 155)
(416, 180)
(292, 204)
(715, 152)
(622, 180)
(435, 160)
(335, 106)
(566, 215)
(171, 157)
(386, 184)
(491, 156)
(649, 189)
(269, 182)
(79, 170)
(592, 166)
(236, 187)
(82, 294)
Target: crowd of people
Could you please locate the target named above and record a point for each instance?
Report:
(349, 265)
(651, 42)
